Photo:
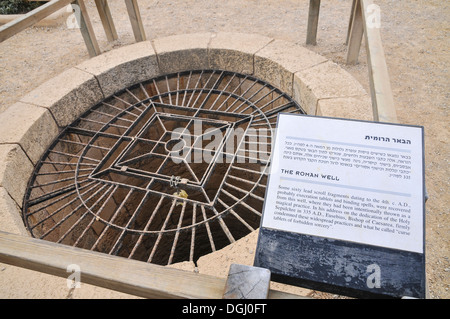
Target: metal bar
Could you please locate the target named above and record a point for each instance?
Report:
(63, 172)
(244, 180)
(61, 238)
(67, 163)
(241, 81)
(62, 220)
(380, 85)
(255, 102)
(111, 191)
(355, 34)
(192, 247)
(73, 155)
(205, 94)
(144, 90)
(53, 194)
(195, 87)
(57, 181)
(103, 123)
(119, 109)
(113, 217)
(54, 202)
(89, 210)
(245, 192)
(350, 22)
(224, 227)
(84, 144)
(245, 92)
(236, 215)
(223, 90)
(187, 85)
(111, 115)
(242, 202)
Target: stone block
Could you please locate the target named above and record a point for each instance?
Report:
(277, 62)
(15, 171)
(10, 215)
(324, 81)
(358, 108)
(31, 126)
(235, 51)
(182, 52)
(67, 95)
(123, 67)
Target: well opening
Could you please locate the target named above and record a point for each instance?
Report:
(165, 171)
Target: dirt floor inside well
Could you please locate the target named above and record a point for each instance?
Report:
(415, 36)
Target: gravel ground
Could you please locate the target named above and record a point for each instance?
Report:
(416, 43)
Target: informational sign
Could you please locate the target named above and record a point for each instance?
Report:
(348, 197)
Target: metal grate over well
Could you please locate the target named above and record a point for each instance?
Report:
(165, 171)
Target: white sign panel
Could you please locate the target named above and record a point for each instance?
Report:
(347, 180)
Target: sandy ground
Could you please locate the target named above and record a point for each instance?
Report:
(415, 35)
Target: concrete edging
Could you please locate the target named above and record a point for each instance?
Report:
(319, 85)
(55, 19)
(29, 126)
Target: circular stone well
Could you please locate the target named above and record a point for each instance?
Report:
(158, 151)
(113, 180)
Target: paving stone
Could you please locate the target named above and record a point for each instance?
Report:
(31, 126)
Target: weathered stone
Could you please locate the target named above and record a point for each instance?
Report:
(279, 60)
(10, 220)
(358, 108)
(121, 68)
(15, 170)
(184, 265)
(182, 52)
(67, 95)
(324, 81)
(235, 51)
(31, 126)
